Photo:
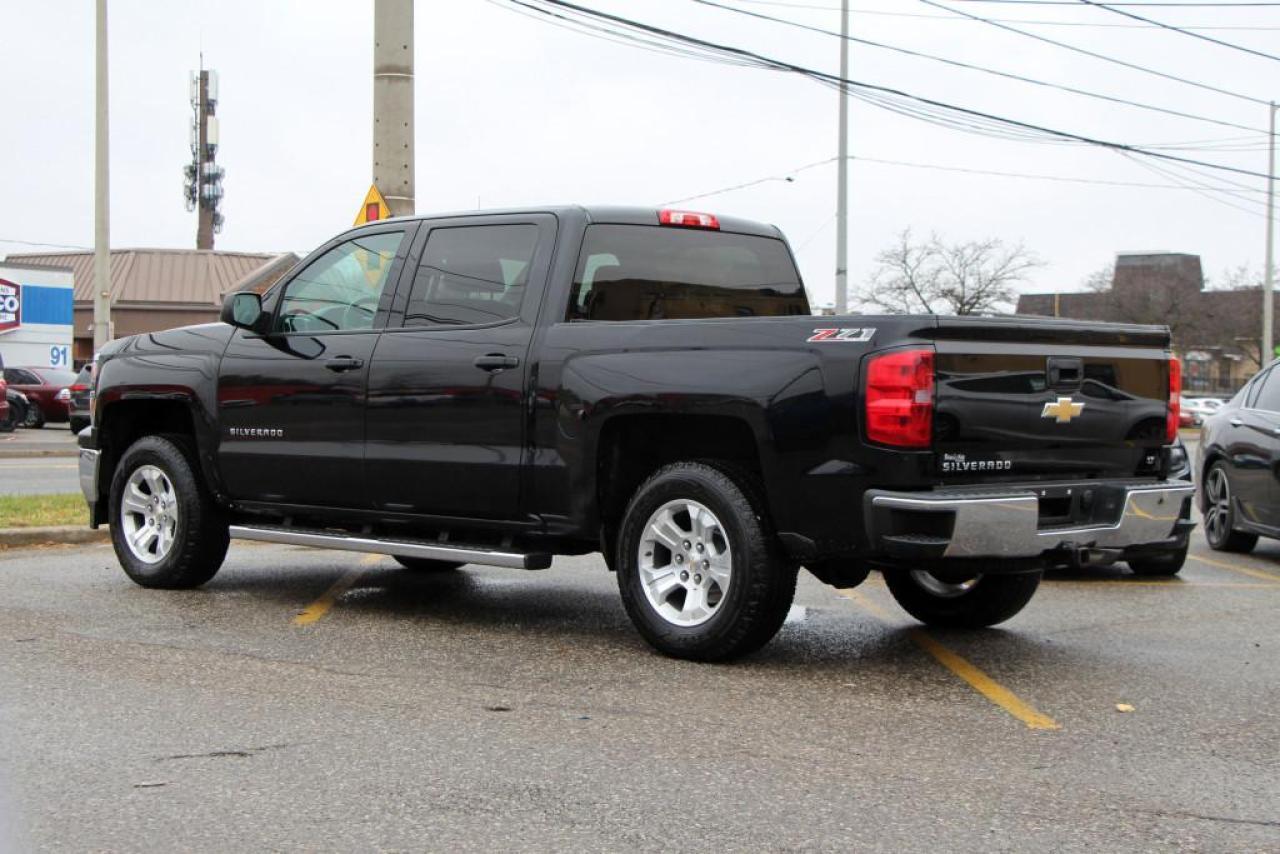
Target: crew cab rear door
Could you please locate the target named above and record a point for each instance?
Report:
(447, 408)
(291, 402)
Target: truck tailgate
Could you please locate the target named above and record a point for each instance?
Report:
(1049, 398)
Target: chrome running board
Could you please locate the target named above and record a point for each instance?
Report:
(400, 548)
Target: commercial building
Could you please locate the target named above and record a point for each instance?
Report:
(153, 289)
(35, 315)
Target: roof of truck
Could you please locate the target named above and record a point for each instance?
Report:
(613, 214)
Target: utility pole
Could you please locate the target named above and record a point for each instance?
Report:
(101, 197)
(393, 103)
(842, 171)
(1268, 275)
(204, 176)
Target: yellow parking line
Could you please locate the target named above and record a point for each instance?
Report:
(961, 667)
(1123, 582)
(1235, 567)
(325, 603)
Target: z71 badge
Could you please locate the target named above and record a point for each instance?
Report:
(849, 333)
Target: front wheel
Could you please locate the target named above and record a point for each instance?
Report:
(961, 602)
(699, 575)
(167, 530)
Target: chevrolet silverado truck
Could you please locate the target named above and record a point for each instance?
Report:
(502, 387)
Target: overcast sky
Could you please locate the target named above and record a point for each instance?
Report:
(511, 111)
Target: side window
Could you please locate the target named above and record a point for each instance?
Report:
(340, 290)
(17, 376)
(472, 274)
(1269, 397)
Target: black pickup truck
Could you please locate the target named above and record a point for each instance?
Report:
(498, 388)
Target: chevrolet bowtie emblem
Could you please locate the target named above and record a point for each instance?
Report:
(1063, 411)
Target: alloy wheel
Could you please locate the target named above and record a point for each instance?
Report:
(686, 563)
(1217, 511)
(149, 514)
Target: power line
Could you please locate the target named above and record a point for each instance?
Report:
(916, 104)
(50, 245)
(1181, 183)
(1005, 74)
(1101, 56)
(1031, 21)
(1166, 5)
(1184, 32)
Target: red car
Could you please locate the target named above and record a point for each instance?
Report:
(43, 387)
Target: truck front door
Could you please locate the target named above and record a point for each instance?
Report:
(447, 408)
(291, 403)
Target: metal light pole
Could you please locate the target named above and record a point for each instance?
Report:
(842, 171)
(1268, 275)
(101, 197)
(393, 103)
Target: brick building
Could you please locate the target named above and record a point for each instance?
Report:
(1216, 333)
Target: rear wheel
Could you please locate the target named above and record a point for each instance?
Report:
(167, 530)
(699, 575)
(1220, 514)
(1167, 564)
(961, 601)
(422, 564)
(34, 419)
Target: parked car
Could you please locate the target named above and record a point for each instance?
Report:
(43, 388)
(499, 388)
(1200, 407)
(80, 399)
(1237, 466)
(6, 416)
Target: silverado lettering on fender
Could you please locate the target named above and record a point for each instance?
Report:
(498, 388)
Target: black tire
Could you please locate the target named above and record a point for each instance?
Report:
(17, 414)
(1167, 564)
(78, 424)
(1220, 513)
(760, 583)
(423, 564)
(988, 600)
(34, 419)
(200, 533)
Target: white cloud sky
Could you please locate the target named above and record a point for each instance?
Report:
(514, 112)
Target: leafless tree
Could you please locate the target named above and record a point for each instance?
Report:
(935, 277)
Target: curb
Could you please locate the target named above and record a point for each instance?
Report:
(61, 534)
(18, 453)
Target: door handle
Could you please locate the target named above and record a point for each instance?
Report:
(1236, 422)
(338, 364)
(496, 362)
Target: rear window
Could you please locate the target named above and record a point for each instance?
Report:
(630, 272)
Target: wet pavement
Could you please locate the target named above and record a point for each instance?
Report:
(494, 709)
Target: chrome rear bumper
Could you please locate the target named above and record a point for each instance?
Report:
(1007, 524)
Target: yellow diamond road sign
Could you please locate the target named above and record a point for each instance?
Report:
(374, 207)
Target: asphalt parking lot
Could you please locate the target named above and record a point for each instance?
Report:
(309, 700)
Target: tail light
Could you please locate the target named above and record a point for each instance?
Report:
(1175, 401)
(900, 398)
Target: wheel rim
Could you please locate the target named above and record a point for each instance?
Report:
(149, 514)
(1217, 512)
(943, 589)
(686, 563)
